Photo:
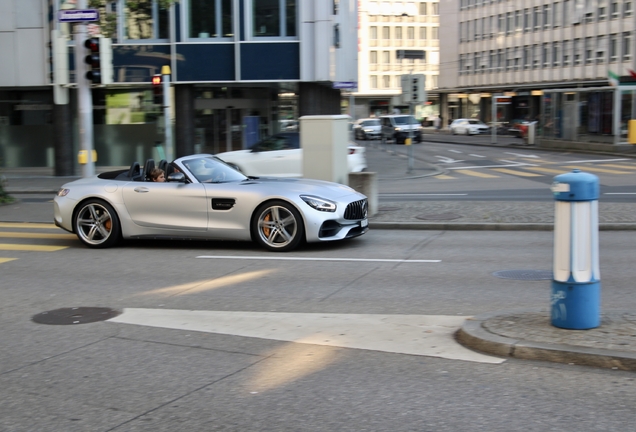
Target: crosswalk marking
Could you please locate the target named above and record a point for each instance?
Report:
(546, 170)
(4, 260)
(8, 234)
(601, 170)
(517, 173)
(630, 167)
(27, 225)
(25, 247)
(476, 173)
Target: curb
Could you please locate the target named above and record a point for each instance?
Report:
(488, 226)
(473, 335)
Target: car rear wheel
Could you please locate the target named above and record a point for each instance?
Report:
(97, 225)
(278, 226)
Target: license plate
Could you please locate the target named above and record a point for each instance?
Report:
(364, 223)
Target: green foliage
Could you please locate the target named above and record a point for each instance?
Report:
(5, 198)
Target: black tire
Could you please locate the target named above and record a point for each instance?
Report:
(278, 226)
(96, 224)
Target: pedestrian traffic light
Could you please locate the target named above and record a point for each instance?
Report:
(93, 59)
(157, 89)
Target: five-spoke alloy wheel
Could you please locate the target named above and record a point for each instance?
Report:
(96, 224)
(278, 226)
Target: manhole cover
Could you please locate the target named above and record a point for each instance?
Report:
(74, 315)
(389, 208)
(530, 275)
(440, 216)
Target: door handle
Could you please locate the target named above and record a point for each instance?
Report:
(141, 189)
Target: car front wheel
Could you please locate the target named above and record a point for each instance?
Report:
(278, 226)
(97, 225)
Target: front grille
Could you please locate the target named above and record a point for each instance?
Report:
(356, 210)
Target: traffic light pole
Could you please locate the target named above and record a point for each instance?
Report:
(165, 72)
(410, 150)
(84, 99)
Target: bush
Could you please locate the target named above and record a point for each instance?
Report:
(4, 197)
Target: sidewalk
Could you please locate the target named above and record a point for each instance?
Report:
(518, 334)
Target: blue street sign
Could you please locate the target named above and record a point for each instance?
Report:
(85, 15)
(345, 85)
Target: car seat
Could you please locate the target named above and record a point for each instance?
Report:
(148, 167)
(134, 173)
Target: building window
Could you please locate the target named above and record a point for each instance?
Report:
(613, 47)
(627, 9)
(509, 23)
(567, 12)
(386, 57)
(386, 81)
(577, 51)
(435, 33)
(423, 8)
(435, 7)
(373, 33)
(627, 47)
(567, 49)
(602, 13)
(601, 49)
(589, 51)
(526, 20)
(410, 33)
(386, 33)
(518, 21)
(546, 16)
(556, 14)
(423, 33)
(614, 10)
(373, 57)
(545, 55)
(536, 18)
(501, 23)
(500, 59)
(373, 80)
(210, 19)
(274, 18)
(398, 33)
(146, 20)
(556, 54)
(536, 56)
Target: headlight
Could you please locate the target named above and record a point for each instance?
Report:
(397, 129)
(63, 192)
(319, 204)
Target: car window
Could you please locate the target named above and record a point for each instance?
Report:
(476, 122)
(371, 123)
(212, 170)
(405, 120)
(275, 142)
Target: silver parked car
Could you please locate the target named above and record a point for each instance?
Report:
(368, 128)
(204, 198)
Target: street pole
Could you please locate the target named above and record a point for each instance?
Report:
(84, 98)
(165, 80)
(410, 150)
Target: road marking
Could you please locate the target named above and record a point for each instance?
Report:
(388, 195)
(445, 159)
(4, 260)
(600, 170)
(516, 173)
(27, 225)
(424, 335)
(32, 248)
(630, 167)
(511, 164)
(595, 161)
(523, 155)
(476, 173)
(455, 151)
(261, 258)
(7, 234)
(546, 170)
(478, 156)
(444, 177)
(619, 193)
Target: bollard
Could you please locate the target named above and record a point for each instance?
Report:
(576, 286)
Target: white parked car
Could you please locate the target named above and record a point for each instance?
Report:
(468, 127)
(280, 155)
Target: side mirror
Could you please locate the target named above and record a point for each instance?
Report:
(178, 177)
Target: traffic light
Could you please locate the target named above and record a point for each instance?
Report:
(157, 89)
(418, 92)
(93, 59)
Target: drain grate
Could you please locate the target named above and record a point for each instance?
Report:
(440, 216)
(529, 275)
(74, 315)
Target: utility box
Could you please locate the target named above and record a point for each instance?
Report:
(324, 140)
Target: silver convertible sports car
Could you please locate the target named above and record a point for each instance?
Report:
(204, 198)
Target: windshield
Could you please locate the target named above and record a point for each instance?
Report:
(477, 122)
(405, 120)
(208, 169)
(371, 123)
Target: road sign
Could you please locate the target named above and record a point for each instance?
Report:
(84, 15)
(345, 85)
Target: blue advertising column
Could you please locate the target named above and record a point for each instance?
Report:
(576, 286)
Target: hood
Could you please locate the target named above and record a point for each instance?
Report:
(319, 188)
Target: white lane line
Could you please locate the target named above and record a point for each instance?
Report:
(444, 159)
(523, 155)
(474, 155)
(593, 161)
(425, 335)
(455, 151)
(261, 258)
(421, 194)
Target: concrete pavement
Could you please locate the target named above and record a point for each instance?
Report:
(518, 334)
